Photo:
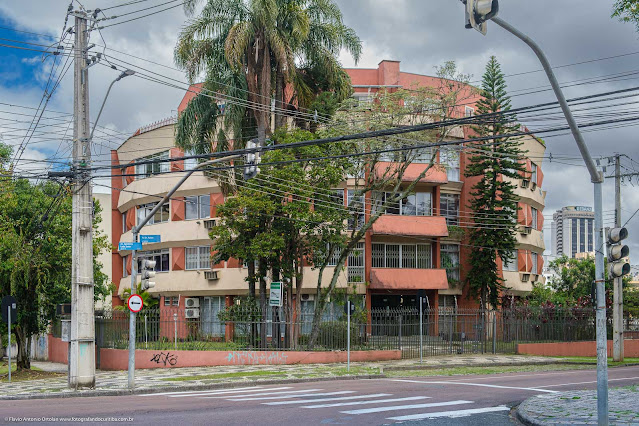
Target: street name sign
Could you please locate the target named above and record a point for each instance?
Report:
(9, 302)
(275, 298)
(135, 303)
(150, 239)
(129, 246)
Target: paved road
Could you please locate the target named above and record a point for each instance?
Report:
(469, 400)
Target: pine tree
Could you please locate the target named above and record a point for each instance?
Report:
(493, 202)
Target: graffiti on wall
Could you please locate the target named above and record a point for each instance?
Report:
(165, 358)
(251, 357)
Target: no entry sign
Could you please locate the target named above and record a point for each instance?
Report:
(135, 303)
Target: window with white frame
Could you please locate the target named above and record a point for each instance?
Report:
(533, 174)
(449, 158)
(160, 165)
(356, 209)
(162, 215)
(534, 217)
(161, 258)
(450, 261)
(535, 262)
(198, 207)
(355, 268)
(407, 256)
(450, 208)
(417, 204)
(197, 258)
(334, 258)
(363, 98)
(171, 300)
(469, 111)
(190, 163)
(124, 229)
(511, 265)
(125, 273)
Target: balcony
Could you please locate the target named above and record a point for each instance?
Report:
(436, 175)
(421, 226)
(408, 279)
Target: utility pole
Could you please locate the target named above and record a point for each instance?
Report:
(82, 347)
(617, 306)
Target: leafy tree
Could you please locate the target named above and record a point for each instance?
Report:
(627, 11)
(493, 199)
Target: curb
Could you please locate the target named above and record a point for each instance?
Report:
(481, 364)
(523, 417)
(120, 392)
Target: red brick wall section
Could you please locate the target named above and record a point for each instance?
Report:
(217, 198)
(540, 264)
(129, 171)
(178, 259)
(129, 262)
(130, 218)
(540, 221)
(178, 208)
(631, 348)
(176, 165)
(540, 177)
(117, 359)
(58, 350)
(521, 260)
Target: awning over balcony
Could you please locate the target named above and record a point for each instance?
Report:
(408, 279)
(421, 226)
(436, 175)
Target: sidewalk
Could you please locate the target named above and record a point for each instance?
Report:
(195, 378)
(580, 408)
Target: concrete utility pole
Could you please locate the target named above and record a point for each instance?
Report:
(617, 306)
(82, 345)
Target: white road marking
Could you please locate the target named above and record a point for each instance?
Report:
(203, 391)
(231, 391)
(340, 404)
(456, 413)
(585, 383)
(289, 396)
(341, 398)
(474, 384)
(406, 407)
(266, 392)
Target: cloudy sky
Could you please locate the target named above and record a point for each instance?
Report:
(420, 34)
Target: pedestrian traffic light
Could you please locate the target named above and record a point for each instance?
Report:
(617, 252)
(251, 160)
(147, 273)
(480, 11)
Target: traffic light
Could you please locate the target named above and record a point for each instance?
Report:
(480, 11)
(617, 266)
(251, 160)
(147, 272)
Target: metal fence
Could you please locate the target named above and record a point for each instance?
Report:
(443, 331)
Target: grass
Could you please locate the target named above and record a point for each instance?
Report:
(593, 360)
(184, 346)
(22, 375)
(462, 371)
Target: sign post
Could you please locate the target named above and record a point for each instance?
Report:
(421, 295)
(135, 303)
(275, 299)
(9, 310)
(348, 337)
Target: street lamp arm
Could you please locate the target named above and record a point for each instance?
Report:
(120, 77)
(595, 175)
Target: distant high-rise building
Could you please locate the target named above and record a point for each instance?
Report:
(573, 231)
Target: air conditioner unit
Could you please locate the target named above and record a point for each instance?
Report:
(210, 223)
(527, 230)
(211, 275)
(525, 183)
(307, 297)
(192, 302)
(533, 186)
(192, 313)
(525, 277)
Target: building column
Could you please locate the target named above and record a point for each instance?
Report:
(434, 307)
(369, 316)
(229, 330)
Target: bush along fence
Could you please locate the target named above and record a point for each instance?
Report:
(444, 331)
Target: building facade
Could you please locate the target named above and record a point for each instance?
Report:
(573, 231)
(419, 244)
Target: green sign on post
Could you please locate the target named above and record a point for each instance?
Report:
(275, 298)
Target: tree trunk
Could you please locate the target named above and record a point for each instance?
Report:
(280, 118)
(22, 359)
(262, 278)
(251, 296)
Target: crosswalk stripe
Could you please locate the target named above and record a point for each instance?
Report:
(340, 404)
(234, 397)
(233, 391)
(341, 398)
(456, 413)
(192, 392)
(406, 407)
(290, 396)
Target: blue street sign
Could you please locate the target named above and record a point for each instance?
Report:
(150, 238)
(129, 246)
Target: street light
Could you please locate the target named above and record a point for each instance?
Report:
(123, 74)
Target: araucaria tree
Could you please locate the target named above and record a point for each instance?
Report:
(494, 203)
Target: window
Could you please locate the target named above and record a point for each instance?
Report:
(363, 98)
(356, 209)
(336, 197)
(337, 251)
(145, 170)
(210, 324)
(171, 300)
(534, 217)
(591, 234)
(535, 262)
(511, 265)
(161, 258)
(190, 163)
(355, 269)
(469, 111)
(198, 207)
(422, 155)
(573, 233)
(582, 235)
(450, 261)
(162, 215)
(125, 273)
(124, 229)
(197, 258)
(449, 158)
(450, 208)
(418, 204)
(408, 256)
(533, 175)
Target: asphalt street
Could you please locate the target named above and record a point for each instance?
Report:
(467, 400)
